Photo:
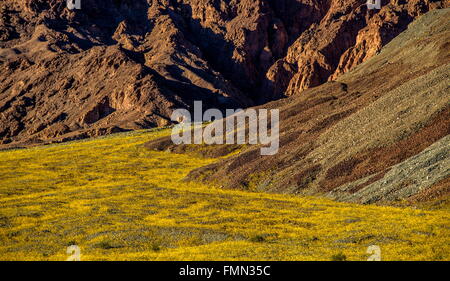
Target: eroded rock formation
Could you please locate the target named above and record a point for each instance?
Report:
(120, 64)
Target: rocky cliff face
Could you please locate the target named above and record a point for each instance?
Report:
(347, 35)
(120, 64)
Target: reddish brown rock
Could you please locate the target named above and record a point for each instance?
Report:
(346, 36)
(127, 64)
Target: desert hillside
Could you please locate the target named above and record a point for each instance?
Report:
(379, 133)
(119, 65)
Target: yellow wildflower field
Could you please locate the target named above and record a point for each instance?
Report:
(117, 200)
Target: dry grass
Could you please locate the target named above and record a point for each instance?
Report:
(120, 201)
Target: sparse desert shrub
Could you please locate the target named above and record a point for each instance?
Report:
(155, 247)
(257, 238)
(339, 257)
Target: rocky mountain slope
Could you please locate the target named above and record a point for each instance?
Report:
(378, 133)
(120, 65)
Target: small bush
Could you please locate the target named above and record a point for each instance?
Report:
(71, 243)
(257, 238)
(155, 247)
(107, 245)
(339, 257)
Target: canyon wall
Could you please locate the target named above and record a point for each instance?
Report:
(119, 65)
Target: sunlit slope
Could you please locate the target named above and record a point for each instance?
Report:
(120, 201)
(378, 134)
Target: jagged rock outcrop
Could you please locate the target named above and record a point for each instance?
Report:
(346, 36)
(112, 66)
(120, 65)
